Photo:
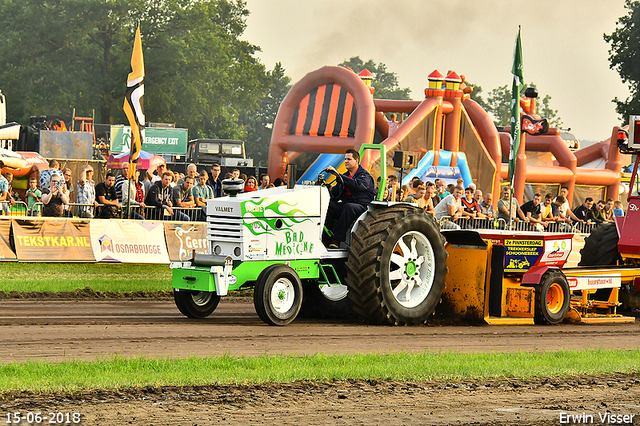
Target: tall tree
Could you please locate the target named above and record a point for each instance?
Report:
(498, 105)
(61, 54)
(385, 82)
(624, 58)
(476, 94)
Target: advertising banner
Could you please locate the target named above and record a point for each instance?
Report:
(128, 241)
(5, 244)
(52, 240)
(156, 141)
(520, 253)
(184, 238)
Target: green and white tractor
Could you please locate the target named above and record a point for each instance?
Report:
(390, 271)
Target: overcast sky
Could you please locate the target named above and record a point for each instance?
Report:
(563, 48)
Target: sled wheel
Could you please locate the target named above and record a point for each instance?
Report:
(397, 266)
(277, 296)
(195, 304)
(552, 298)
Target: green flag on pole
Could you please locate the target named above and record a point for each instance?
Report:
(516, 88)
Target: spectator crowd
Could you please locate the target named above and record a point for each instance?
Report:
(456, 207)
(162, 194)
(157, 194)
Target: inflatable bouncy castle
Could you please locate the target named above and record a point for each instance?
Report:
(333, 109)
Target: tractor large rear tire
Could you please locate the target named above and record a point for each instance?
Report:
(397, 266)
(601, 246)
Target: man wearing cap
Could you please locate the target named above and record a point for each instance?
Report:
(86, 193)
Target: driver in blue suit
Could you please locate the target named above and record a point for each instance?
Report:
(358, 191)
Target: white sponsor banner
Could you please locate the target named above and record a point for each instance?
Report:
(594, 282)
(128, 241)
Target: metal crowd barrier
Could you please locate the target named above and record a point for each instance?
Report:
(577, 228)
(469, 223)
(88, 211)
(191, 214)
(82, 210)
(18, 208)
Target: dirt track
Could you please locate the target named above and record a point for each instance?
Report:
(85, 329)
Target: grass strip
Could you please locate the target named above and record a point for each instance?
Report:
(117, 372)
(102, 277)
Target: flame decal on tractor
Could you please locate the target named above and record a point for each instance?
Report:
(256, 217)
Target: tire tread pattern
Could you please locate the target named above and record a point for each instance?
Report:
(601, 246)
(364, 266)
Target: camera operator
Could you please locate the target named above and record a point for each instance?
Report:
(54, 198)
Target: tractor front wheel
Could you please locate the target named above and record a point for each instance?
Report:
(277, 295)
(552, 298)
(195, 304)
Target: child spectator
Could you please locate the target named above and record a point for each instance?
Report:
(617, 208)
(471, 209)
(5, 192)
(33, 195)
(404, 192)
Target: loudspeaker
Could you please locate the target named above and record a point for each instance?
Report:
(405, 160)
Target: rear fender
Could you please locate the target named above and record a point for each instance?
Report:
(534, 275)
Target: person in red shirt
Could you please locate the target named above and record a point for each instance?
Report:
(471, 206)
(251, 184)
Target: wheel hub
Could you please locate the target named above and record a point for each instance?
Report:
(555, 298)
(411, 270)
(201, 298)
(282, 295)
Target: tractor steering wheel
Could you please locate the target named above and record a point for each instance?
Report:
(339, 180)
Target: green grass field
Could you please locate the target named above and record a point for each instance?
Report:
(103, 277)
(117, 372)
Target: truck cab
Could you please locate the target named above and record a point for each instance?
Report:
(226, 152)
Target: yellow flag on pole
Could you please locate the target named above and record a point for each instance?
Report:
(133, 103)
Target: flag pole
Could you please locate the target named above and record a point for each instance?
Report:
(134, 108)
(516, 88)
